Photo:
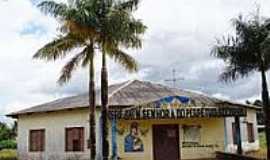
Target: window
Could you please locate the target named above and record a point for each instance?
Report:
(37, 140)
(75, 139)
(234, 133)
(192, 135)
(250, 133)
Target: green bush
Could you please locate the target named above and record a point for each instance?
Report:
(8, 155)
(262, 140)
(8, 144)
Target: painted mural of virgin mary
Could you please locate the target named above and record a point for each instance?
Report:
(133, 142)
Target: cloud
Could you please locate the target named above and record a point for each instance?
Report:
(221, 96)
(180, 35)
(18, 73)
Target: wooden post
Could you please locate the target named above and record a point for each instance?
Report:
(238, 135)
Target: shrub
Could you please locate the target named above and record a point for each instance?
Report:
(8, 144)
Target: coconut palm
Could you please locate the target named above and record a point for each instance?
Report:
(129, 29)
(94, 26)
(245, 53)
(59, 48)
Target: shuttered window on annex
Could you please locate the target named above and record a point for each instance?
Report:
(37, 140)
(74, 139)
(250, 133)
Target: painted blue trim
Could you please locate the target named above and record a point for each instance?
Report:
(169, 99)
(114, 139)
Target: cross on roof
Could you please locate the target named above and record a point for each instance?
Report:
(174, 79)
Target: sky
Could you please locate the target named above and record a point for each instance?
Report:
(180, 35)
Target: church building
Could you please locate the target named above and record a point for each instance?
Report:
(147, 121)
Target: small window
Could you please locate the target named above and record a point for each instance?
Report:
(75, 139)
(250, 133)
(192, 135)
(234, 134)
(37, 140)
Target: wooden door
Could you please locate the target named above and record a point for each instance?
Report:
(166, 142)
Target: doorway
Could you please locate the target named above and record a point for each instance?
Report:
(166, 142)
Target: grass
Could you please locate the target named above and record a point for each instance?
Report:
(8, 154)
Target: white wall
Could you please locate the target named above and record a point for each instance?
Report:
(54, 124)
(251, 118)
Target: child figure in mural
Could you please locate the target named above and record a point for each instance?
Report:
(132, 141)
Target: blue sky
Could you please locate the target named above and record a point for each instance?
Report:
(180, 36)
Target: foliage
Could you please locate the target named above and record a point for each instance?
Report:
(8, 155)
(262, 140)
(247, 51)
(257, 102)
(7, 136)
(8, 144)
(93, 26)
(7, 132)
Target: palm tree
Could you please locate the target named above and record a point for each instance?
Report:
(117, 29)
(246, 52)
(58, 49)
(128, 36)
(93, 26)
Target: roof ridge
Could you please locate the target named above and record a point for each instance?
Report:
(121, 87)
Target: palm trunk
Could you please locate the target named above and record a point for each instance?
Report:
(104, 107)
(92, 109)
(265, 99)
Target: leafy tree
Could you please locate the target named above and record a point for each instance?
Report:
(246, 52)
(7, 136)
(94, 26)
(5, 132)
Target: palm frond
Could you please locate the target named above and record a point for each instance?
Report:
(229, 74)
(234, 72)
(53, 8)
(125, 30)
(125, 60)
(58, 48)
(224, 47)
(70, 67)
(243, 28)
(90, 52)
(129, 5)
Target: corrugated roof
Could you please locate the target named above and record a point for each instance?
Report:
(128, 93)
